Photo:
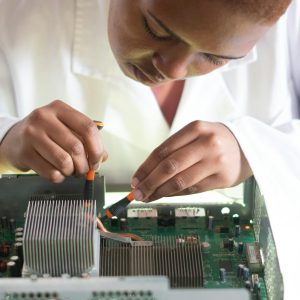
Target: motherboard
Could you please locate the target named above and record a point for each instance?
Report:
(49, 233)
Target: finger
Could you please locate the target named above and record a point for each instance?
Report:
(209, 183)
(184, 180)
(68, 141)
(85, 128)
(174, 164)
(180, 139)
(54, 154)
(44, 168)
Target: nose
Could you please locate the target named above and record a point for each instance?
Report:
(173, 62)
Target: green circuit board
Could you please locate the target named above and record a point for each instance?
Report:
(218, 254)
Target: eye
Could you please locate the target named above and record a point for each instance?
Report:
(214, 60)
(153, 34)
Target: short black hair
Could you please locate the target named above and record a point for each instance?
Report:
(261, 11)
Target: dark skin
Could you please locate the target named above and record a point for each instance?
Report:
(164, 41)
(155, 42)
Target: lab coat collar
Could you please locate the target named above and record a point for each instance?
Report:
(93, 57)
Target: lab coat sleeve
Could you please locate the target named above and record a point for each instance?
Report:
(8, 111)
(7, 102)
(274, 156)
(273, 152)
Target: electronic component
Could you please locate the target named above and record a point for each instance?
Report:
(240, 248)
(240, 270)
(166, 217)
(11, 269)
(246, 273)
(237, 230)
(236, 219)
(230, 244)
(253, 257)
(175, 240)
(60, 237)
(123, 224)
(180, 262)
(189, 212)
(210, 222)
(222, 273)
(142, 212)
(114, 221)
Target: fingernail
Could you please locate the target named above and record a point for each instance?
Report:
(134, 182)
(138, 195)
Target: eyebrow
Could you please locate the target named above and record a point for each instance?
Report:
(171, 33)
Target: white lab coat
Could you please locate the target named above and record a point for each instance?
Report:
(59, 50)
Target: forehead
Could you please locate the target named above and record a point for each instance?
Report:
(207, 25)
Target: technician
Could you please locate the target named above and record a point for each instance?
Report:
(100, 57)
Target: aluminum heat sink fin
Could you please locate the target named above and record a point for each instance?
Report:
(59, 237)
(178, 258)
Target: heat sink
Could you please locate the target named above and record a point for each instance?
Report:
(178, 258)
(60, 238)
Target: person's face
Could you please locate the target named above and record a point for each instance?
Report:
(156, 41)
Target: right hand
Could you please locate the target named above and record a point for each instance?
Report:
(55, 141)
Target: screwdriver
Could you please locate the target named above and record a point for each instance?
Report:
(117, 208)
(88, 193)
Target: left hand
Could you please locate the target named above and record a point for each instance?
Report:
(200, 157)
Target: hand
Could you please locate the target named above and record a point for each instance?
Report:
(200, 157)
(55, 141)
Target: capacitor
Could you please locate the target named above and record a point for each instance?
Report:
(19, 229)
(255, 283)
(230, 244)
(236, 219)
(237, 230)
(11, 269)
(17, 261)
(222, 273)
(19, 234)
(210, 222)
(4, 222)
(246, 273)
(240, 270)
(240, 248)
(114, 221)
(248, 284)
(2, 266)
(19, 251)
(12, 224)
(123, 224)
(4, 250)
